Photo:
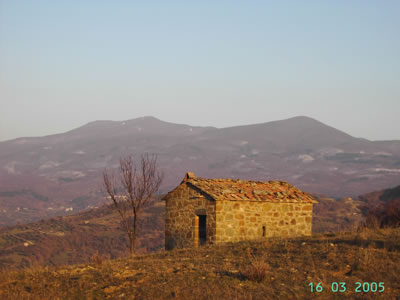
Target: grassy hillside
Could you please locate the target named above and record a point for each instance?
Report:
(269, 269)
(75, 239)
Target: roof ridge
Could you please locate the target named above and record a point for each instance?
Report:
(241, 180)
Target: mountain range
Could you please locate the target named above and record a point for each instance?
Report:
(61, 174)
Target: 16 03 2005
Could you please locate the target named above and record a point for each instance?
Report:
(342, 287)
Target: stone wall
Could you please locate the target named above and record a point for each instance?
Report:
(182, 206)
(244, 220)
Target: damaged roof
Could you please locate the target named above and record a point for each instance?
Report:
(236, 189)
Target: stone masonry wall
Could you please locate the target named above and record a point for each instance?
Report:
(182, 205)
(244, 220)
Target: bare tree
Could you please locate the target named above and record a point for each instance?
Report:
(138, 185)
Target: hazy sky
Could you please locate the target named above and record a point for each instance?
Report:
(212, 63)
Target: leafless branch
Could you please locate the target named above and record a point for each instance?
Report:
(138, 184)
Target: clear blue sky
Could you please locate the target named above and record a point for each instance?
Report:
(216, 63)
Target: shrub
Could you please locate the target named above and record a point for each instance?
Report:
(97, 258)
(257, 270)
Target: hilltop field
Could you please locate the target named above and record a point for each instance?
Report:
(366, 260)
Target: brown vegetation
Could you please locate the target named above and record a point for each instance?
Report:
(75, 239)
(334, 215)
(384, 215)
(284, 268)
(385, 212)
(257, 269)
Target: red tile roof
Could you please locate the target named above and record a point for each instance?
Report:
(236, 189)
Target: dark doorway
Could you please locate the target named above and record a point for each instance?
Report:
(202, 229)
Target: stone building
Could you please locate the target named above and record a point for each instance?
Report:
(211, 211)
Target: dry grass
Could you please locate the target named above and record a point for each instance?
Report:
(257, 269)
(272, 269)
(98, 259)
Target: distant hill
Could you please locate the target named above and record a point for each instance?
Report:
(61, 174)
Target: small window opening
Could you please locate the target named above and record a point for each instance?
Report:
(263, 231)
